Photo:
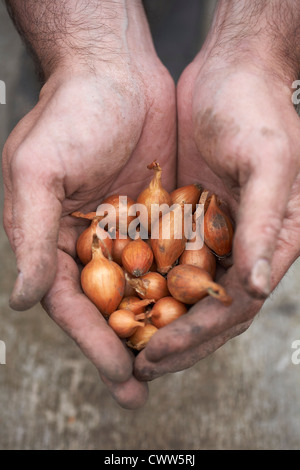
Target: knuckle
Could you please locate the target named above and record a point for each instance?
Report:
(21, 162)
(272, 147)
(18, 238)
(272, 227)
(7, 224)
(280, 152)
(34, 167)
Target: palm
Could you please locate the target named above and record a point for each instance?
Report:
(235, 123)
(221, 146)
(94, 143)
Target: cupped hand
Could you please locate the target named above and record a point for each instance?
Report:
(91, 134)
(238, 136)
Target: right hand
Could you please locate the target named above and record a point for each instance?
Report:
(91, 134)
(238, 137)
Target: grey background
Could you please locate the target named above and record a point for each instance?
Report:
(247, 395)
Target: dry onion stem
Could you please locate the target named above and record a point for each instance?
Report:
(154, 194)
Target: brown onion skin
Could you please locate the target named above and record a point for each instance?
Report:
(167, 310)
(114, 201)
(151, 286)
(167, 251)
(189, 284)
(129, 290)
(137, 258)
(118, 246)
(124, 323)
(141, 337)
(153, 267)
(188, 194)
(103, 282)
(218, 230)
(153, 194)
(128, 302)
(202, 258)
(85, 241)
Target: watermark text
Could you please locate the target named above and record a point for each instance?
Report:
(2, 92)
(296, 354)
(296, 94)
(162, 221)
(2, 353)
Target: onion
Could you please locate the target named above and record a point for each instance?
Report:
(188, 194)
(218, 231)
(129, 290)
(135, 304)
(150, 286)
(85, 239)
(143, 285)
(141, 337)
(203, 258)
(137, 257)
(154, 194)
(118, 247)
(121, 211)
(167, 310)
(189, 284)
(103, 281)
(167, 250)
(125, 323)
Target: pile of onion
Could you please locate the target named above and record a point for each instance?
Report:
(142, 285)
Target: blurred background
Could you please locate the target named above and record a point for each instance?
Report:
(245, 396)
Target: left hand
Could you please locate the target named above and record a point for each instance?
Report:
(66, 155)
(238, 137)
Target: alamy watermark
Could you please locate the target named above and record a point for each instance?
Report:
(296, 354)
(2, 353)
(2, 92)
(166, 222)
(296, 94)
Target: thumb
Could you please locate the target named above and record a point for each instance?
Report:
(35, 217)
(262, 209)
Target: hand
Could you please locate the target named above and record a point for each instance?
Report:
(90, 135)
(238, 136)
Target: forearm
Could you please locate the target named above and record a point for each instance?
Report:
(73, 33)
(266, 32)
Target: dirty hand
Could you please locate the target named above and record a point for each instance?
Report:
(92, 133)
(239, 137)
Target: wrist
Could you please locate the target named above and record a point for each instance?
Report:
(257, 35)
(80, 37)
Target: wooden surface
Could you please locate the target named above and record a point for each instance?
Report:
(247, 395)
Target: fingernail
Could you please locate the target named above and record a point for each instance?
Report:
(261, 277)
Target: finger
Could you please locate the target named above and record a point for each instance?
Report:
(13, 142)
(146, 370)
(208, 318)
(7, 211)
(130, 395)
(80, 319)
(36, 209)
(205, 320)
(263, 207)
